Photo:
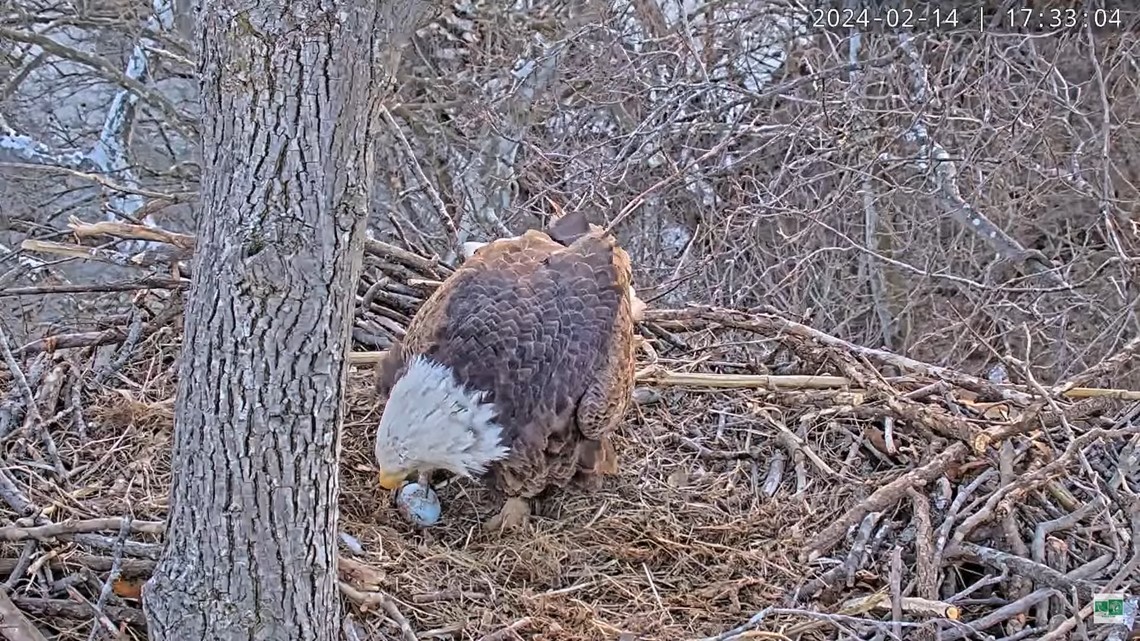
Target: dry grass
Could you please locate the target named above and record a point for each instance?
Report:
(671, 548)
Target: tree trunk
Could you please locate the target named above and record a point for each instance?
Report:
(290, 90)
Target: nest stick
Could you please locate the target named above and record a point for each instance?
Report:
(18, 376)
(385, 603)
(1062, 631)
(33, 409)
(1039, 573)
(885, 497)
(926, 570)
(1045, 528)
(100, 618)
(22, 564)
(1037, 477)
(129, 567)
(666, 378)
(505, 633)
(15, 626)
(97, 288)
(13, 496)
(82, 252)
(130, 231)
(911, 605)
(92, 339)
(67, 609)
(112, 577)
(1017, 608)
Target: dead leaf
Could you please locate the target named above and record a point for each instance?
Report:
(128, 589)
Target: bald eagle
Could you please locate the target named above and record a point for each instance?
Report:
(516, 370)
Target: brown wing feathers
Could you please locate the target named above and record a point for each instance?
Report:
(543, 324)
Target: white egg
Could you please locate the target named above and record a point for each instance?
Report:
(418, 504)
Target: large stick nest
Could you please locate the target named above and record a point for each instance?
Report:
(776, 482)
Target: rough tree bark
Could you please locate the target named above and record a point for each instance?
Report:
(290, 92)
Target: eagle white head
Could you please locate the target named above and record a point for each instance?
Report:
(431, 422)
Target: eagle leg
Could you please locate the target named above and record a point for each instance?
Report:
(608, 461)
(514, 515)
(596, 459)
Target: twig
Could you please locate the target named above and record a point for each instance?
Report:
(775, 473)
(112, 576)
(127, 230)
(421, 177)
(794, 444)
(507, 632)
(133, 548)
(885, 497)
(81, 252)
(1045, 528)
(123, 354)
(12, 495)
(1092, 568)
(791, 382)
(92, 339)
(845, 570)
(1114, 362)
(129, 568)
(37, 422)
(22, 563)
(836, 618)
(741, 629)
(82, 577)
(771, 323)
(680, 174)
(1004, 613)
(911, 605)
(103, 181)
(359, 574)
(79, 611)
(1038, 476)
(946, 528)
(447, 595)
(101, 619)
(97, 288)
(1129, 571)
(661, 376)
(1041, 574)
(183, 122)
(13, 624)
(47, 532)
(77, 419)
(384, 602)
(926, 570)
(1062, 631)
(18, 376)
(430, 267)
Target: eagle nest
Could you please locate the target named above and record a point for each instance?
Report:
(774, 482)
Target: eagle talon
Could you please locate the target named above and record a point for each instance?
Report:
(515, 515)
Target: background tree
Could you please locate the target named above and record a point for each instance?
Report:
(290, 92)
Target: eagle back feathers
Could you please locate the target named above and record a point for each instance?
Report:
(541, 325)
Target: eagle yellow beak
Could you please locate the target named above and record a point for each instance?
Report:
(391, 480)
